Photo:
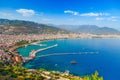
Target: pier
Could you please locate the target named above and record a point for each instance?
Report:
(58, 54)
(33, 52)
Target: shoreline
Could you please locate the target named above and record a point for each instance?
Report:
(42, 41)
(30, 58)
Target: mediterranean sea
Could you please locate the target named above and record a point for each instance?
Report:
(107, 62)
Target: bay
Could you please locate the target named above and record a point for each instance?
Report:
(107, 62)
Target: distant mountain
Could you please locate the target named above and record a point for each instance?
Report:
(92, 29)
(28, 27)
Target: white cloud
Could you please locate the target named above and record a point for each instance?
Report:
(26, 12)
(86, 14)
(71, 12)
(94, 14)
(98, 18)
(112, 18)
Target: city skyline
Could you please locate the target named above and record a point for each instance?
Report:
(68, 12)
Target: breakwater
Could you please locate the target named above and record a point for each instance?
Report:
(57, 54)
(33, 52)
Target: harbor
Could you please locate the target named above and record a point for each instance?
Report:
(33, 52)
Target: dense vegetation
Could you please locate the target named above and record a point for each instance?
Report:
(23, 42)
(18, 72)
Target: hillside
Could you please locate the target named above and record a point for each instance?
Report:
(92, 29)
(28, 27)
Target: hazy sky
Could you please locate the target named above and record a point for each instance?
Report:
(72, 12)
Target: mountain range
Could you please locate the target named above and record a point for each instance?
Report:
(91, 29)
(29, 27)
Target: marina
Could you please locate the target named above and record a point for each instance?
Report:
(33, 52)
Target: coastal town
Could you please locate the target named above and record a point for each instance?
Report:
(59, 39)
(8, 42)
(10, 56)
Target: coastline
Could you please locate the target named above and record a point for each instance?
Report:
(28, 58)
(45, 40)
(14, 48)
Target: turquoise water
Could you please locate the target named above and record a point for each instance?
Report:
(107, 62)
(24, 51)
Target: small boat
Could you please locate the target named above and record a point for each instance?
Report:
(73, 62)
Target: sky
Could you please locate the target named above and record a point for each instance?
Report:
(104, 13)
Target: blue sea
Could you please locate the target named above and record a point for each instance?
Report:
(107, 62)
